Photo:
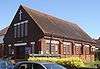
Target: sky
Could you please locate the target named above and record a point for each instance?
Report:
(85, 13)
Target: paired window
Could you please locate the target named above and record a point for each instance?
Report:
(77, 49)
(67, 47)
(20, 29)
(87, 49)
(52, 47)
(80, 49)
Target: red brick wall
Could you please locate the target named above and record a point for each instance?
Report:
(82, 54)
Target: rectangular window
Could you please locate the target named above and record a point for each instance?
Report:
(47, 48)
(15, 31)
(26, 29)
(77, 49)
(18, 30)
(67, 47)
(54, 47)
(21, 29)
(64, 49)
(87, 49)
(33, 48)
(68, 50)
(9, 49)
(92, 49)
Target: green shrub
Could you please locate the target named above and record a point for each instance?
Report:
(92, 64)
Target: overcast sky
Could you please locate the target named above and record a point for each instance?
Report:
(85, 13)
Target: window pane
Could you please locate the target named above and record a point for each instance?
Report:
(37, 66)
(78, 49)
(54, 47)
(25, 29)
(25, 66)
(18, 30)
(22, 30)
(47, 48)
(53, 66)
(64, 50)
(87, 48)
(67, 47)
(15, 31)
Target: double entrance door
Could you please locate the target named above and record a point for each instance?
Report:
(22, 51)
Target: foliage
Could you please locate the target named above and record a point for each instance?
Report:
(93, 64)
(72, 61)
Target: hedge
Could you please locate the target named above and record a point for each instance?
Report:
(72, 61)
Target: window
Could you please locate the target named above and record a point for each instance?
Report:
(87, 49)
(25, 66)
(33, 50)
(92, 49)
(10, 52)
(47, 48)
(20, 29)
(53, 66)
(67, 47)
(64, 49)
(15, 31)
(77, 49)
(26, 29)
(54, 47)
(37, 66)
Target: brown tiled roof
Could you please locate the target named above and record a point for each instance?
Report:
(55, 26)
(3, 31)
(97, 43)
(58, 27)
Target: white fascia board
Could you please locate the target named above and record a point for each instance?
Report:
(20, 44)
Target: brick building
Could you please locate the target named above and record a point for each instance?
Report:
(34, 32)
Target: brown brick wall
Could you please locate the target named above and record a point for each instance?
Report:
(86, 57)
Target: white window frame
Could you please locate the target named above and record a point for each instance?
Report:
(53, 43)
(77, 45)
(65, 45)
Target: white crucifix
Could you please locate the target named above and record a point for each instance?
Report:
(20, 14)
